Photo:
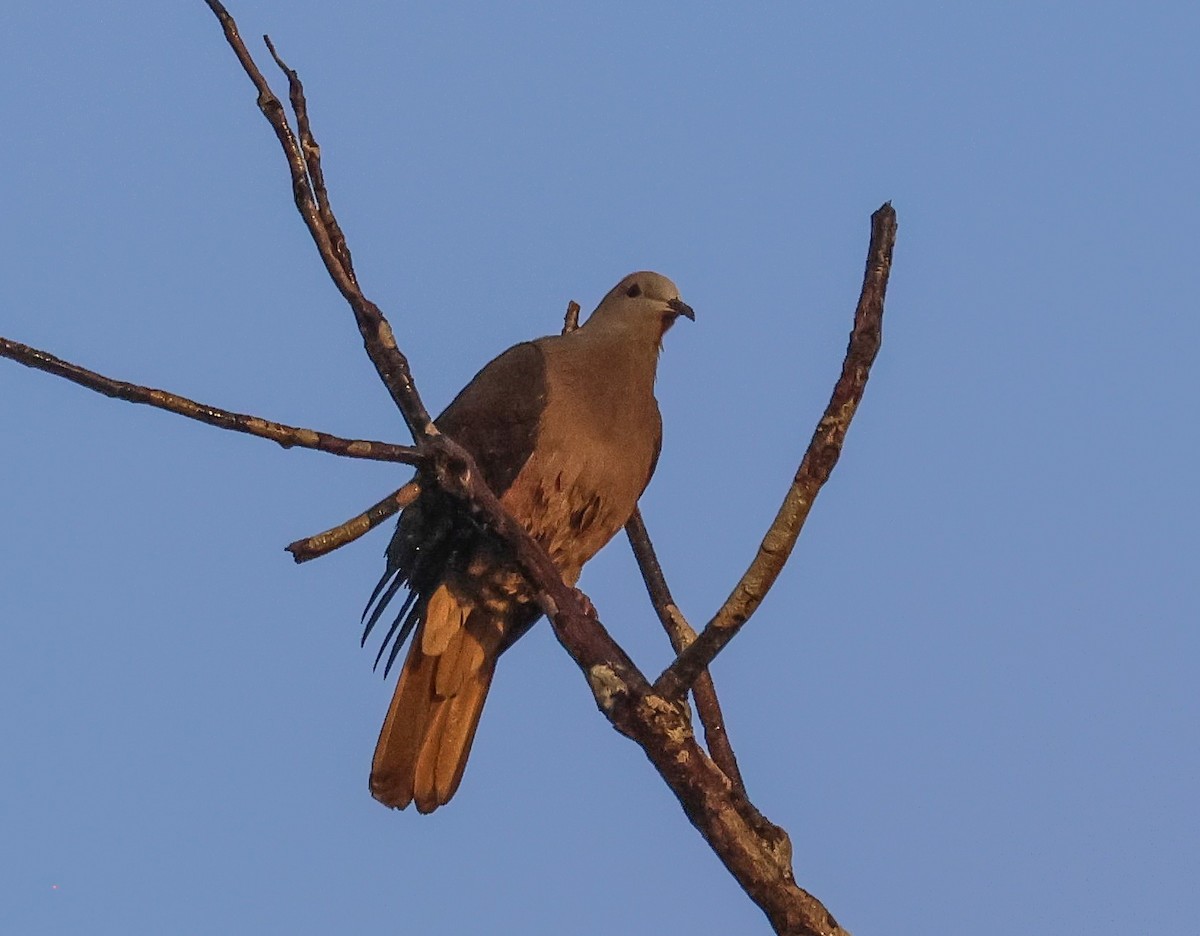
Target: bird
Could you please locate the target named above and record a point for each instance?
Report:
(566, 432)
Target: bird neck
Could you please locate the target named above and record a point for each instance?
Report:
(637, 340)
(609, 363)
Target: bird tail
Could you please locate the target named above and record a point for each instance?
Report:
(427, 734)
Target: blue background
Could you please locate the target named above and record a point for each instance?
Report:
(971, 698)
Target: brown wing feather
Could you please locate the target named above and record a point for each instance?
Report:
(496, 415)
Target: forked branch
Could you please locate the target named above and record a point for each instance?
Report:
(312, 201)
(681, 635)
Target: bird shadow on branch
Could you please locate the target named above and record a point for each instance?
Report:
(655, 715)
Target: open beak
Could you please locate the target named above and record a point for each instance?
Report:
(679, 307)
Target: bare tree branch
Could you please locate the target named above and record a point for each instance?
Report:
(324, 543)
(681, 634)
(819, 460)
(287, 436)
(757, 853)
(378, 339)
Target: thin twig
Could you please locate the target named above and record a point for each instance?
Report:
(287, 436)
(681, 634)
(324, 543)
(378, 339)
(571, 319)
(312, 160)
(819, 460)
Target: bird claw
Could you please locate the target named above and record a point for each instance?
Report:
(588, 608)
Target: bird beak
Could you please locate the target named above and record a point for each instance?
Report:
(679, 307)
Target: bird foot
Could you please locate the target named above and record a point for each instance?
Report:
(588, 608)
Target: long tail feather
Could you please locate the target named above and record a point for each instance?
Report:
(430, 725)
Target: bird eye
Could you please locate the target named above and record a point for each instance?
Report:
(633, 291)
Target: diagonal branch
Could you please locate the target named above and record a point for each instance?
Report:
(287, 436)
(378, 339)
(681, 635)
(322, 544)
(819, 460)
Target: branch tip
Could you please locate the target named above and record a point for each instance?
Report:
(822, 455)
(313, 547)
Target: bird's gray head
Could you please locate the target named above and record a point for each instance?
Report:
(642, 303)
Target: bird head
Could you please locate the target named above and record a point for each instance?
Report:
(644, 304)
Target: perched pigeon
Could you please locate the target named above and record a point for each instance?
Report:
(566, 432)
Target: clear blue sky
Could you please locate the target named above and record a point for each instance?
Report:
(971, 698)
